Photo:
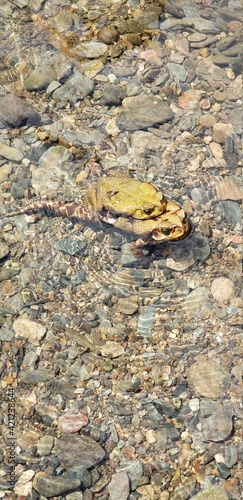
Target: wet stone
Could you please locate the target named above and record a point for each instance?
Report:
(179, 260)
(228, 189)
(196, 299)
(6, 334)
(141, 112)
(4, 250)
(223, 470)
(133, 469)
(82, 474)
(45, 445)
(207, 378)
(70, 246)
(75, 89)
(91, 50)
(10, 153)
(198, 247)
(119, 487)
(73, 450)
(184, 490)
(222, 289)
(230, 211)
(49, 486)
(28, 329)
(231, 455)
(212, 493)
(35, 377)
(72, 423)
(218, 426)
(177, 71)
(16, 112)
(56, 68)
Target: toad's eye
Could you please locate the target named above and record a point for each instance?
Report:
(165, 230)
(147, 211)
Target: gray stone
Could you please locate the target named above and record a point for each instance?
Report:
(77, 495)
(82, 474)
(45, 445)
(4, 250)
(6, 334)
(119, 486)
(50, 174)
(198, 247)
(142, 111)
(10, 153)
(79, 450)
(133, 469)
(75, 89)
(16, 112)
(70, 246)
(50, 486)
(218, 426)
(212, 493)
(230, 211)
(54, 68)
(231, 455)
(177, 71)
(35, 377)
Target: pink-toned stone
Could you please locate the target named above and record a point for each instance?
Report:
(190, 99)
(72, 423)
(235, 26)
(227, 189)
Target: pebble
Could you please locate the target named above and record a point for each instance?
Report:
(133, 469)
(128, 305)
(141, 112)
(10, 153)
(222, 289)
(228, 189)
(218, 426)
(28, 329)
(196, 299)
(43, 176)
(72, 423)
(184, 490)
(16, 112)
(45, 445)
(208, 379)
(4, 250)
(55, 68)
(70, 246)
(231, 455)
(179, 261)
(119, 486)
(49, 486)
(111, 349)
(77, 450)
(75, 89)
(91, 50)
(178, 71)
(212, 493)
(230, 211)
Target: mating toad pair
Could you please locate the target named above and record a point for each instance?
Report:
(129, 205)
